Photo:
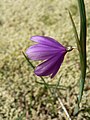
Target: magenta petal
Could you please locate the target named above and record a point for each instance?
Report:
(46, 41)
(57, 66)
(50, 66)
(41, 52)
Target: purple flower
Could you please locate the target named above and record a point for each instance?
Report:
(49, 50)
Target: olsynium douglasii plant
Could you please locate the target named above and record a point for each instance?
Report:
(52, 52)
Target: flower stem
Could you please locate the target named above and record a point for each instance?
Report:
(83, 46)
(82, 52)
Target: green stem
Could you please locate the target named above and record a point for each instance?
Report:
(83, 46)
(82, 52)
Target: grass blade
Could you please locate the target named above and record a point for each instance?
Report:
(82, 52)
(83, 31)
(28, 61)
(75, 31)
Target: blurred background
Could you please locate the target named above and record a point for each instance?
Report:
(21, 98)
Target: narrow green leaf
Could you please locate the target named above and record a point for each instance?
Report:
(83, 31)
(28, 60)
(82, 52)
(75, 31)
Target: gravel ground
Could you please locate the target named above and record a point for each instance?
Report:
(21, 97)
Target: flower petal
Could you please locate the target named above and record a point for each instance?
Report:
(42, 52)
(57, 66)
(46, 41)
(48, 67)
